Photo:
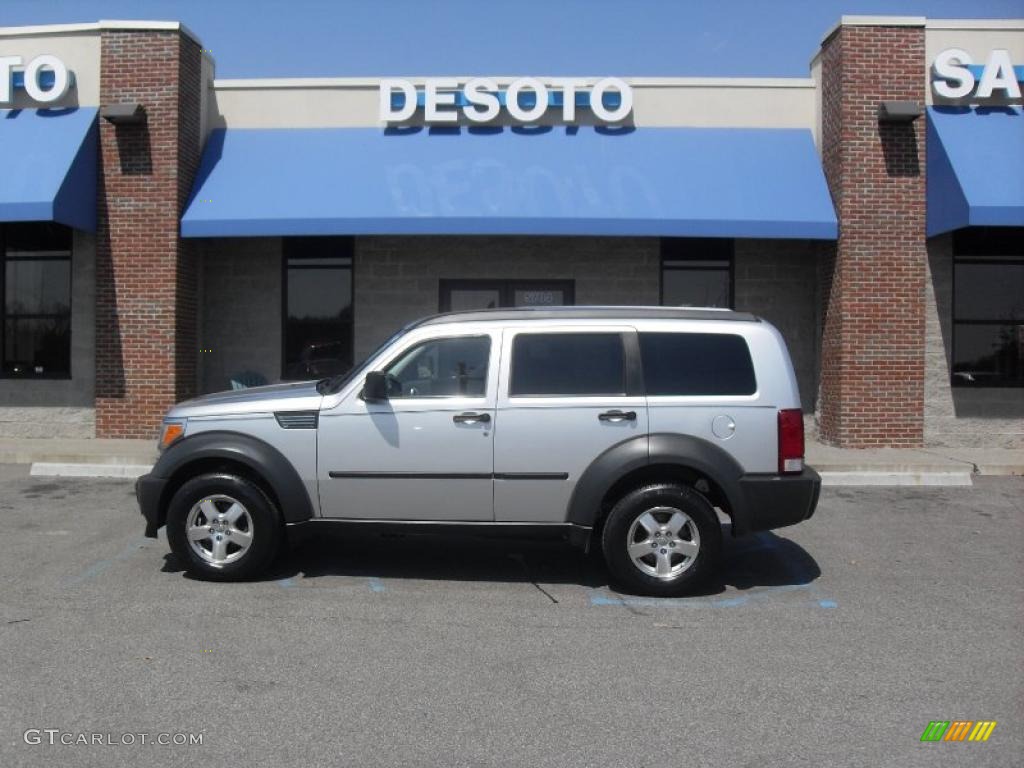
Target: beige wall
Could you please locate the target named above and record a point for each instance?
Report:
(978, 38)
(80, 51)
(664, 102)
(957, 416)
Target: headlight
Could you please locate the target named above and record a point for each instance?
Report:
(173, 429)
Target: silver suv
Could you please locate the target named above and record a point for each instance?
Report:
(620, 428)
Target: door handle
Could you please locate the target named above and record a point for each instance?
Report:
(471, 418)
(617, 416)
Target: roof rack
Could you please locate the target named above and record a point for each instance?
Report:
(592, 313)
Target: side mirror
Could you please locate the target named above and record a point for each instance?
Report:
(375, 387)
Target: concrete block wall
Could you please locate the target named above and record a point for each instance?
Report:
(988, 417)
(872, 380)
(146, 348)
(778, 280)
(240, 310)
(396, 278)
(61, 407)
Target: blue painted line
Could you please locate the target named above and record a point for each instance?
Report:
(600, 599)
(376, 585)
(286, 582)
(100, 566)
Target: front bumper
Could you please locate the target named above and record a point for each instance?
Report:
(775, 501)
(149, 490)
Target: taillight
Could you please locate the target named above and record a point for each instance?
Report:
(791, 440)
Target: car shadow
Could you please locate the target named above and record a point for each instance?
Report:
(749, 562)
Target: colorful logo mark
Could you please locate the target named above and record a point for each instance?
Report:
(958, 730)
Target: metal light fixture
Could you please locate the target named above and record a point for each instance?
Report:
(899, 111)
(128, 113)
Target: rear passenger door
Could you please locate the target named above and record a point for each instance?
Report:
(565, 396)
(703, 384)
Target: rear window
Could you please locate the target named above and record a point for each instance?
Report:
(697, 364)
(567, 364)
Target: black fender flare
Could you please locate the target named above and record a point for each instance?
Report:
(684, 451)
(261, 457)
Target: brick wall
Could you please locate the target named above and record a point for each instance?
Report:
(146, 279)
(872, 379)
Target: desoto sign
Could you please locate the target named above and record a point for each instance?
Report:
(46, 79)
(955, 76)
(525, 99)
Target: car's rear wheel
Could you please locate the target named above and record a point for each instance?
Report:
(223, 527)
(661, 539)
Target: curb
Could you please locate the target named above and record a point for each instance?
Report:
(900, 478)
(69, 469)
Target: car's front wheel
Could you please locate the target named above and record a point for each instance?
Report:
(223, 527)
(661, 539)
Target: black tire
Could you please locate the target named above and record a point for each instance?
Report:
(619, 533)
(263, 517)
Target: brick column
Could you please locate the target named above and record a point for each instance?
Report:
(872, 378)
(145, 274)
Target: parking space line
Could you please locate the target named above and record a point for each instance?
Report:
(100, 566)
(600, 599)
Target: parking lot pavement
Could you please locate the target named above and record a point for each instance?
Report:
(834, 642)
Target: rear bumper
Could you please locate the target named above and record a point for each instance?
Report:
(148, 491)
(775, 501)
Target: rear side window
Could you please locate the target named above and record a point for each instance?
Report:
(697, 364)
(567, 364)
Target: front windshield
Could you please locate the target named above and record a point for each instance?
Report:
(335, 383)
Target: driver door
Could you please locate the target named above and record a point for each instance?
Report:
(425, 453)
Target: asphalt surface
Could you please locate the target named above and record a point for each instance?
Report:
(834, 642)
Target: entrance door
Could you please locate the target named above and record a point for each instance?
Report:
(425, 453)
(463, 295)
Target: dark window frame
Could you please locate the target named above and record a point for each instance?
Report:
(346, 258)
(506, 289)
(696, 249)
(434, 340)
(632, 383)
(982, 246)
(65, 375)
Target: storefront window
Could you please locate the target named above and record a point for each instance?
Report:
(696, 272)
(318, 307)
(36, 289)
(466, 295)
(988, 308)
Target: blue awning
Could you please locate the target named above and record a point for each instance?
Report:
(727, 182)
(975, 167)
(48, 166)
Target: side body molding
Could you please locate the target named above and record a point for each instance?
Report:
(262, 458)
(683, 451)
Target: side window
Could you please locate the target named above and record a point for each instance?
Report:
(567, 364)
(697, 364)
(451, 367)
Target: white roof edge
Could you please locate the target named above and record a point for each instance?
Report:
(98, 26)
(875, 21)
(974, 24)
(240, 84)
